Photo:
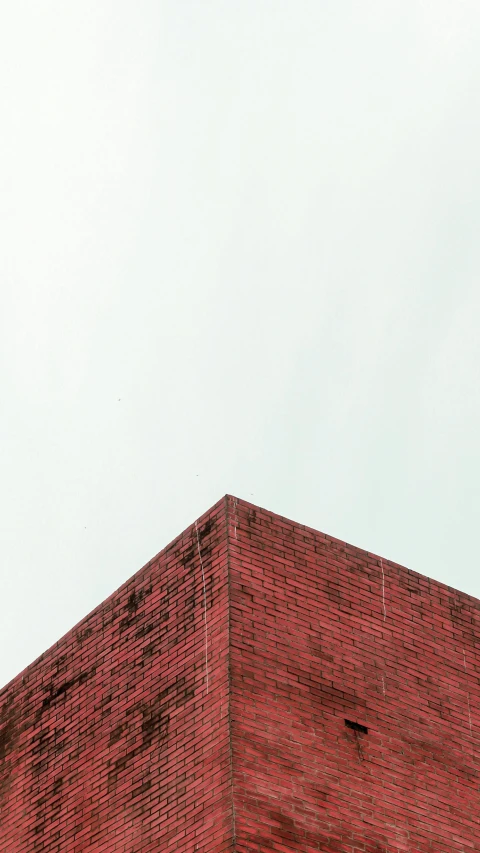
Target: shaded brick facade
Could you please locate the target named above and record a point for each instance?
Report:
(258, 686)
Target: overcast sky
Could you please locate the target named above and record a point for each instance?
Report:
(239, 252)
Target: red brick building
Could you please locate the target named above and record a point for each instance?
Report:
(258, 686)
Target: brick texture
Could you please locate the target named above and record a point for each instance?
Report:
(111, 741)
(322, 632)
(203, 706)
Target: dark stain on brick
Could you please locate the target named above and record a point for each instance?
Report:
(271, 753)
(421, 749)
(40, 741)
(209, 584)
(116, 734)
(60, 662)
(188, 557)
(148, 651)
(375, 847)
(462, 617)
(144, 630)
(324, 693)
(190, 603)
(9, 732)
(408, 583)
(173, 586)
(135, 599)
(317, 650)
(57, 785)
(319, 794)
(185, 594)
(141, 789)
(154, 727)
(56, 693)
(154, 723)
(43, 751)
(358, 567)
(287, 830)
(133, 602)
(106, 705)
(81, 636)
(150, 721)
(288, 833)
(47, 809)
(59, 740)
(335, 592)
(206, 529)
(356, 737)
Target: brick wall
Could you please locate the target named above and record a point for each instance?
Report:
(322, 632)
(125, 738)
(110, 741)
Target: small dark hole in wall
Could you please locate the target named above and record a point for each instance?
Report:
(357, 727)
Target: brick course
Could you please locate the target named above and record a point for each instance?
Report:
(203, 706)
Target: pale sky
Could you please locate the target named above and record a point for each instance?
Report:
(239, 253)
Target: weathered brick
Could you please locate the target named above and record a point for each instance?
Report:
(337, 633)
(149, 727)
(111, 741)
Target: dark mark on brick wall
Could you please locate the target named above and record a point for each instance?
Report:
(56, 693)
